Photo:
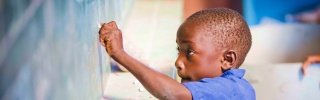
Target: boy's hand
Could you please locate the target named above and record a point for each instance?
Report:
(310, 60)
(111, 37)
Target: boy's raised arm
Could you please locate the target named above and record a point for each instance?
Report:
(158, 84)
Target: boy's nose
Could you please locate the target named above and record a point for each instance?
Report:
(179, 65)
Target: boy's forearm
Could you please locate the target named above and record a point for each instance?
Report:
(158, 84)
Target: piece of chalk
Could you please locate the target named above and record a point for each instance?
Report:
(135, 82)
(141, 89)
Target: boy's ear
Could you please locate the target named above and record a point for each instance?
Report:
(229, 59)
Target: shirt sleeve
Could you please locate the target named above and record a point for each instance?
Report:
(216, 90)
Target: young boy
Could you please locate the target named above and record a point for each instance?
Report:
(212, 45)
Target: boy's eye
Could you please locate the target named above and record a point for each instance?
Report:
(178, 50)
(190, 52)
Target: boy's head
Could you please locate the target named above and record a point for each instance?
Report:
(211, 42)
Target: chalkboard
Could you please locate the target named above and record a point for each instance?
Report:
(49, 49)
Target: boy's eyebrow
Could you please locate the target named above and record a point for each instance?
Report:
(187, 41)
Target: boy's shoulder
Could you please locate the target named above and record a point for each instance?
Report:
(231, 85)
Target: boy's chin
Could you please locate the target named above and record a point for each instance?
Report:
(185, 80)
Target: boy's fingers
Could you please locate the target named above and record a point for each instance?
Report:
(113, 24)
(106, 26)
(103, 37)
(105, 29)
(102, 42)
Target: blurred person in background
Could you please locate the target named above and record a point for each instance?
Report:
(311, 17)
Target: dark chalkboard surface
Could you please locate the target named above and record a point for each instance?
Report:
(49, 49)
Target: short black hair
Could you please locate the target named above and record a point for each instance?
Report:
(226, 28)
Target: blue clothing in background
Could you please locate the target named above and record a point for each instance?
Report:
(255, 10)
(229, 86)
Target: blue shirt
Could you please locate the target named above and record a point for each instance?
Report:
(229, 86)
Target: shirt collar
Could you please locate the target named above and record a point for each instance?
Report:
(234, 72)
